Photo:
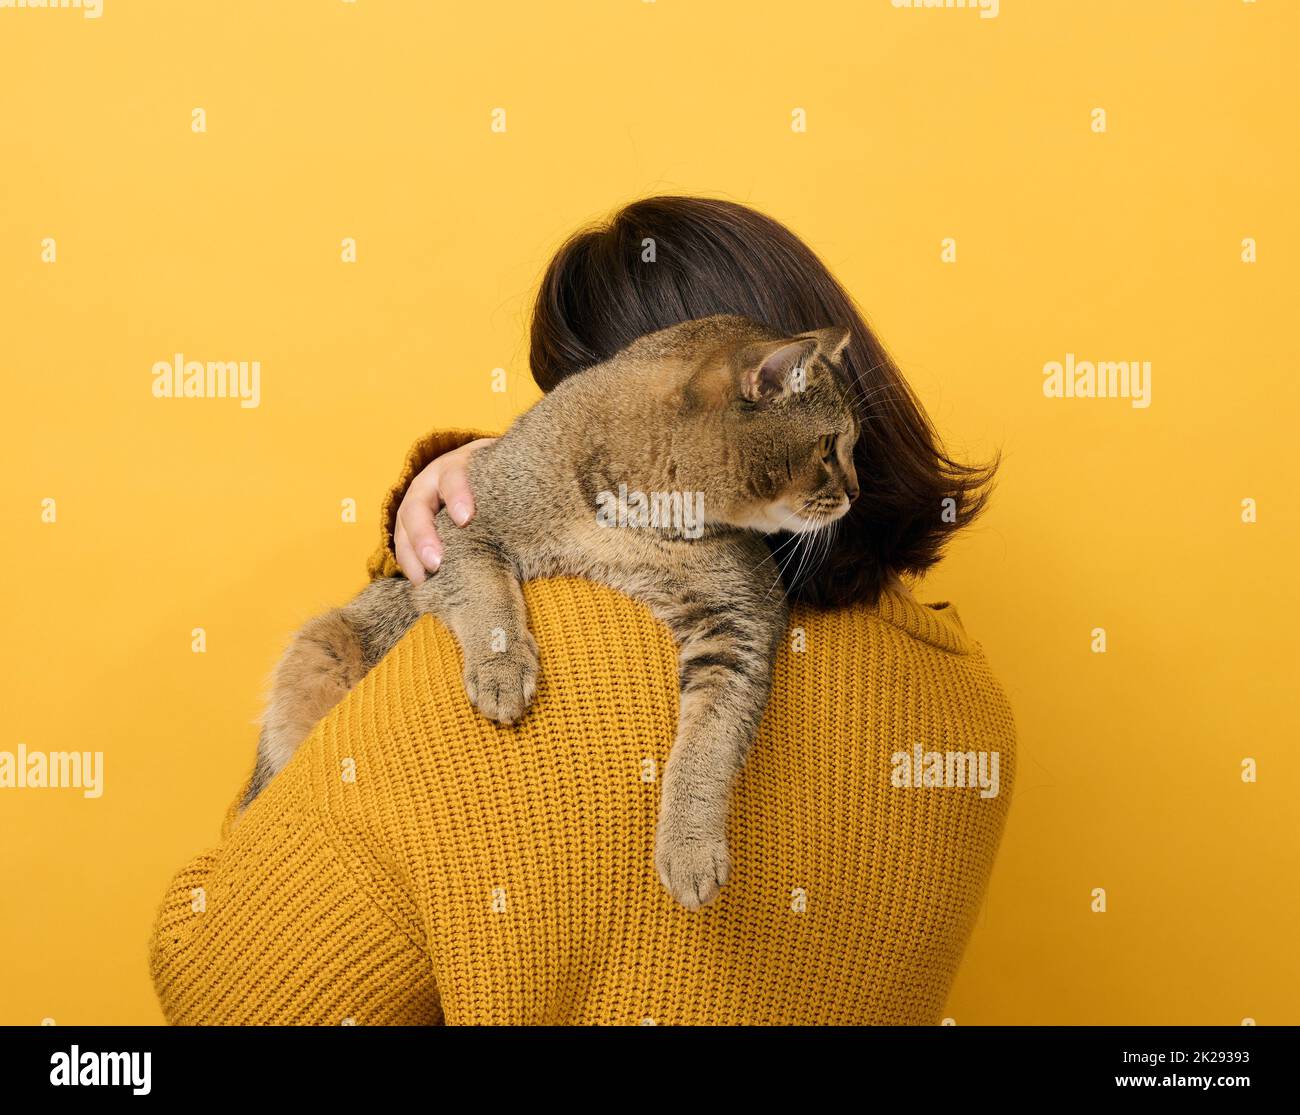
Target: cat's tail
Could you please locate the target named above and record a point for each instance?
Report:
(326, 658)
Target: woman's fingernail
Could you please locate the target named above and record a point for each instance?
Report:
(430, 558)
(459, 513)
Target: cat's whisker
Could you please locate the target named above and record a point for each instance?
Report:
(865, 399)
(804, 552)
(812, 541)
(795, 541)
(794, 536)
(879, 388)
(818, 550)
(777, 575)
(814, 556)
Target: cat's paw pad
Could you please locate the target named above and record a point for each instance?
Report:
(502, 685)
(692, 871)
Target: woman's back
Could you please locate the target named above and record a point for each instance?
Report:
(416, 863)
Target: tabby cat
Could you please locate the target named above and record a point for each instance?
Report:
(721, 415)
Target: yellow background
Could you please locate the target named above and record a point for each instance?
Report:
(371, 120)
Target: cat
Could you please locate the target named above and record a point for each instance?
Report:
(721, 413)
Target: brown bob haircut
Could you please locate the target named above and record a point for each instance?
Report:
(600, 293)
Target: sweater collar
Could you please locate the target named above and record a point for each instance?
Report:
(937, 624)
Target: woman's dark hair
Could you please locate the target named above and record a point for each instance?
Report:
(664, 260)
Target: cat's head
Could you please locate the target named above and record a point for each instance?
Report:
(785, 429)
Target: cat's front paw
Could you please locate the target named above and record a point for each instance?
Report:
(693, 870)
(502, 685)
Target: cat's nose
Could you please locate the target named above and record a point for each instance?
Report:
(852, 492)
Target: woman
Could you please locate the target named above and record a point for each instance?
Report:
(415, 863)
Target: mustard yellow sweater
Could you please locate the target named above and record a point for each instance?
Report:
(417, 864)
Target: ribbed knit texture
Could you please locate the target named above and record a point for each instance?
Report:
(416, 863)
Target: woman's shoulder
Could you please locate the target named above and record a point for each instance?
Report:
(586, 612)
(608, 694)
(932, 625)
(599, 647)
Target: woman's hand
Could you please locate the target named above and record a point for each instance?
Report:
(443, 482)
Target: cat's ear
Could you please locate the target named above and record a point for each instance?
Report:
(767, 371)
(831, 342)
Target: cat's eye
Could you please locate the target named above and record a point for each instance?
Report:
(826, 446)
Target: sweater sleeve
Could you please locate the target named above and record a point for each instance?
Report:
(282, 925)
(383, 562)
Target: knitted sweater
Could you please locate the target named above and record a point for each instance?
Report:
(416, 863)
